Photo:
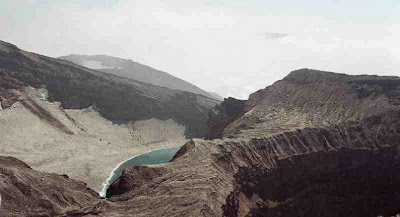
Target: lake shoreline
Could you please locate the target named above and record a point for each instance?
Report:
(110, 178)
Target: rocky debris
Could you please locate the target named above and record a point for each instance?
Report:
(43, 114)
(290, 146)
(349, 170)
(222, 115)
(118, 99)
(25, 192)
(134, 178)
(186, 148)
(313, 144)
(8, 83)
(346, 182)
(299, 169)
(310, 98)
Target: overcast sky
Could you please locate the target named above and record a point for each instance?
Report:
(232, 47)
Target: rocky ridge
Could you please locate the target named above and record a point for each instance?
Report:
(118, 99)
(313, 144)
(25, 192)
(311, 98)
(133, 70)
(286, 150)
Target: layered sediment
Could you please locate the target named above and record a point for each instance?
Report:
(25, 192)
(313, 144)
(252, 177)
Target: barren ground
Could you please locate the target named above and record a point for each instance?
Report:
(78, 143)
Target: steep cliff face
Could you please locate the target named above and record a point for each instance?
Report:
(25, 192)
(118, 99)
(222, 115)
(313, 144)
(76, 142)
(346, 182)
(45, 120)
(310, 98)
(265, 176)
(8, 82)
(308, 172)
(347, 170)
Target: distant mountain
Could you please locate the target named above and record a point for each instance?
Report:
(118, 99)
(130, 69)
(312, 144)
(63, 118)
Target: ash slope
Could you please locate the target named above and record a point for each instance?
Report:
(76, 142)
(288, 148)
(118, 99)
(275, 176)
(293, 162)
(25, 192)
(311, 98)
(270, 176)
(133, 70)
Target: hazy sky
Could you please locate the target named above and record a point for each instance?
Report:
(233, 47)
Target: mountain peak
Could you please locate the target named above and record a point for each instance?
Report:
(133, 70)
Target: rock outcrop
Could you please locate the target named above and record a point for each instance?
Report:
(8, 82)
(347, 170)
(118, 99)
(222, 115)
(44, 120)
(321, 171)
(25, 192)
(310, 98)
(134, 178)
(313, 144)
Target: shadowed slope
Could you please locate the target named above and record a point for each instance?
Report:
(118, 99)
(130, 69)
(310, 98)
(314, 144)
(25, 192)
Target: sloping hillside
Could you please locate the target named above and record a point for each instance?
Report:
(129, 69)
(118, 99)
(311, 98)
(77, 142)
(25, 192)
(314, 144)
(50, 127)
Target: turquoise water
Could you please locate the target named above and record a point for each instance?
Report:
(151, 158)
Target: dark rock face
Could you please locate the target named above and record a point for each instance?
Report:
(25, 192)
(306, 172)
(7, 83)
(313, 144)
(118, 99)
(222, 115)
(343, 183)
(186, 148)
(349, 170)
(134, 177)
(310, 98)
